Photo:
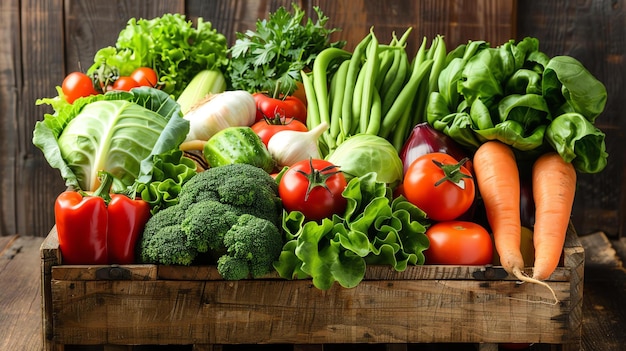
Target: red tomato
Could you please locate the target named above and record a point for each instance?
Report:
(289, 107)
(124, 83)
(145, 76)
(314, 188)
(76, 85)
(266, 128)
(458, 243)
(439, 185)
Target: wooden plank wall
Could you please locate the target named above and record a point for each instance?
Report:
(45, 39)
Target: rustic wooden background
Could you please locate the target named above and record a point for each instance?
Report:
(42, 40)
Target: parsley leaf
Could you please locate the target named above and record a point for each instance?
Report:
(270, 59)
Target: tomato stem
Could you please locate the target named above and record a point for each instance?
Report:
(318, 177)
(452, 173)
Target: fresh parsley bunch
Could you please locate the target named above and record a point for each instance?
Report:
(270, 59)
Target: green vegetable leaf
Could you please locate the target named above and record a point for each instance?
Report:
(580, 89)
(578, 141)
(512, 93)
(169, 172)
(271, 57)
(170, 44)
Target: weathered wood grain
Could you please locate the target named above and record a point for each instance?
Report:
(41, 68)
(192, 305)
(19, 293)
(10, 83)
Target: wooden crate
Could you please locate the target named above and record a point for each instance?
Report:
(167, 305)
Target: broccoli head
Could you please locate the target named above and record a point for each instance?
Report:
(229, 210)
(252, 245)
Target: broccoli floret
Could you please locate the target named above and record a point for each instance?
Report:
(163, 241)
(244, 186)
(253, 242)
(206, 222)
(232, 268)
(239, 199)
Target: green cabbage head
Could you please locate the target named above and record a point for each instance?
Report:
(117, 132)
(361, 154)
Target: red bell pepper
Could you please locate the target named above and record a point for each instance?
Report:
(100, 228)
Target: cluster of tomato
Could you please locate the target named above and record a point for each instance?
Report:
(79, 84)
(444, 188)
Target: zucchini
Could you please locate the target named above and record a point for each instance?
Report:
(238, 145)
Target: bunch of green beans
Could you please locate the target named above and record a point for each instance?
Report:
(377, 89)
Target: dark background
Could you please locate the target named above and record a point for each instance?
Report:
(43, 40)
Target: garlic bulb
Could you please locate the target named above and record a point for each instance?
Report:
(289, 146)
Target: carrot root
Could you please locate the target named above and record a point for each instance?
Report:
(554, 183)
(497, 177)
(519, 274)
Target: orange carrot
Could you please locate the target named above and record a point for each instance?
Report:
(554, 185)
(497, 178)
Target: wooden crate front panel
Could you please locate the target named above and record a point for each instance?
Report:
(217, 312)
(279, 311)
(193, 305)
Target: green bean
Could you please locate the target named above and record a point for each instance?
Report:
(405, 66)
(337, 101)
(373, 125)
(356, 101)
(420, 56)
(369, 83)
(390, 92)
(386, 61)
(405, 98)
(351, 79)
(404, 37)
(320, 78)
(421, 97)
(400, 133)
(439, 56)
(312, 115)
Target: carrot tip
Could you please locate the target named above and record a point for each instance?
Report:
(523, 277)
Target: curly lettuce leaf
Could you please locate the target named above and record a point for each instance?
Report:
(170, 171)
(375, 229)
(170, 44)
